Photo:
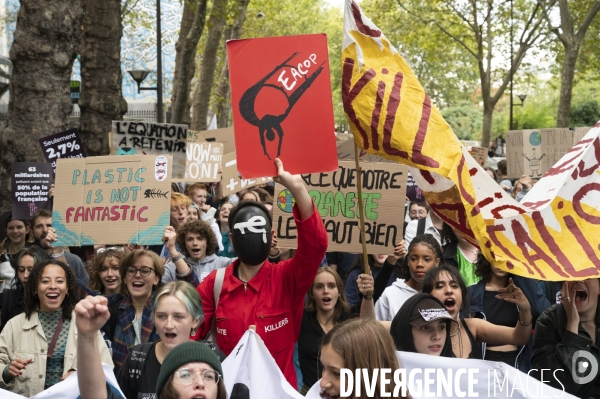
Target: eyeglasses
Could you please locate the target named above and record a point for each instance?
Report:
(144, 271)
(187, 376)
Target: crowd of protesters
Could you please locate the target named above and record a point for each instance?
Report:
(166, 316)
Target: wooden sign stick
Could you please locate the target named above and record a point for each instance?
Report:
(360, 210)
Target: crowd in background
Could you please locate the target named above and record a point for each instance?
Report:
(166, 316)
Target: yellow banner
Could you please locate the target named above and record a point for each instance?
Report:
(551, 235)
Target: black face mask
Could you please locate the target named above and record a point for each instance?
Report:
(251, 235)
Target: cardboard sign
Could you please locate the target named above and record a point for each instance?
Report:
(335, 195)
(225, 136)
(30, 183)
(204, 162)
(534, 152)
(66, 144)
(153, 138)
(112, 200)
(232, 182)
(480, 155)
(281, 103)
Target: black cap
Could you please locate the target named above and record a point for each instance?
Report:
(427, 311)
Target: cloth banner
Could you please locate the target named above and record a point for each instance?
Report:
(546, 236)
(251, 372)
(67, 389)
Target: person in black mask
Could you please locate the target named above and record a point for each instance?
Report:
(254, 291)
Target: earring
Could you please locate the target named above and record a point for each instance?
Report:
(193, 332)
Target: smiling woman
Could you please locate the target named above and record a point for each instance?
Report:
(38, 347)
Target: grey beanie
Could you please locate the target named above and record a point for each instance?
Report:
(188, 352)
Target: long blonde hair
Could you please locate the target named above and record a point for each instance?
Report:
(364, 344)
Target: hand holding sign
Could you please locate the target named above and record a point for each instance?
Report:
(295, 184)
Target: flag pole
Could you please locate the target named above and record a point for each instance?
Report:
(360, 210)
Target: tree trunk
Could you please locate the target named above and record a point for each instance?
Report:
(488, 113)
(101, 99)
(187, 20)
(188, 52)
(216, 23)
(566, 86)
(222, 107)
(46, 41)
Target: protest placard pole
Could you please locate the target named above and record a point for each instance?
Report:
(360, 210)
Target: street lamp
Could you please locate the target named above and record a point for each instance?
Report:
(139, 76)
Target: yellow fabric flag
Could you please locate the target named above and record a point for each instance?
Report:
(552, 235)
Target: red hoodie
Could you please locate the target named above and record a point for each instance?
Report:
(272, 300)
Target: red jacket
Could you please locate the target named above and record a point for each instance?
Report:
(272, 300)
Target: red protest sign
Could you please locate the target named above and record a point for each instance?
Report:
(281, 100)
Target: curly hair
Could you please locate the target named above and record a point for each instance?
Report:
(38, 256)
(32, 301)
(429, 241)
(132, 257)
(341, 305)
(95, 281)
(201, 228)
(483, 268)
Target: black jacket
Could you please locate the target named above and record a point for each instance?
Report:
(554, 348)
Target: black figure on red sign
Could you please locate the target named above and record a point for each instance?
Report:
(270, 124)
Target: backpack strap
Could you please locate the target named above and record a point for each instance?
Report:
(421, 226)
(216, 293)
(137, 362)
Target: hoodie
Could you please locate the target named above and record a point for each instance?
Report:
(401, 330)
(392, 299)
(202, 267)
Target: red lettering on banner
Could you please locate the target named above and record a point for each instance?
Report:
(492, 233)
(427, 176)
(461, 217)
(376, 114)
(522, 238)
(349, 94)
(417, 156)
(362, 28)
(496, 211)
(464, 193)
(473, 171)
(390, 118)
(586, 172)
(535, 205)
(577, 202)
(585, 245)
(563, 167)
(555, 248)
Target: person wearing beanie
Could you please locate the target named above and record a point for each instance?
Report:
(191, 370)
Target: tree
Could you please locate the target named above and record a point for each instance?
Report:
(216, 24)
(481, 28)
(101, 99)
(46, 40)
(221, 97)
(184, 70)
(571, 41)
(187, 19)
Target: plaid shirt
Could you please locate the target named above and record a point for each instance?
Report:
(123, 337)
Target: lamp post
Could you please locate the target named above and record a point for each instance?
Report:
(159, 71)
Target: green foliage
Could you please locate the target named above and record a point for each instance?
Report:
(586, 113)
(465, 119)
